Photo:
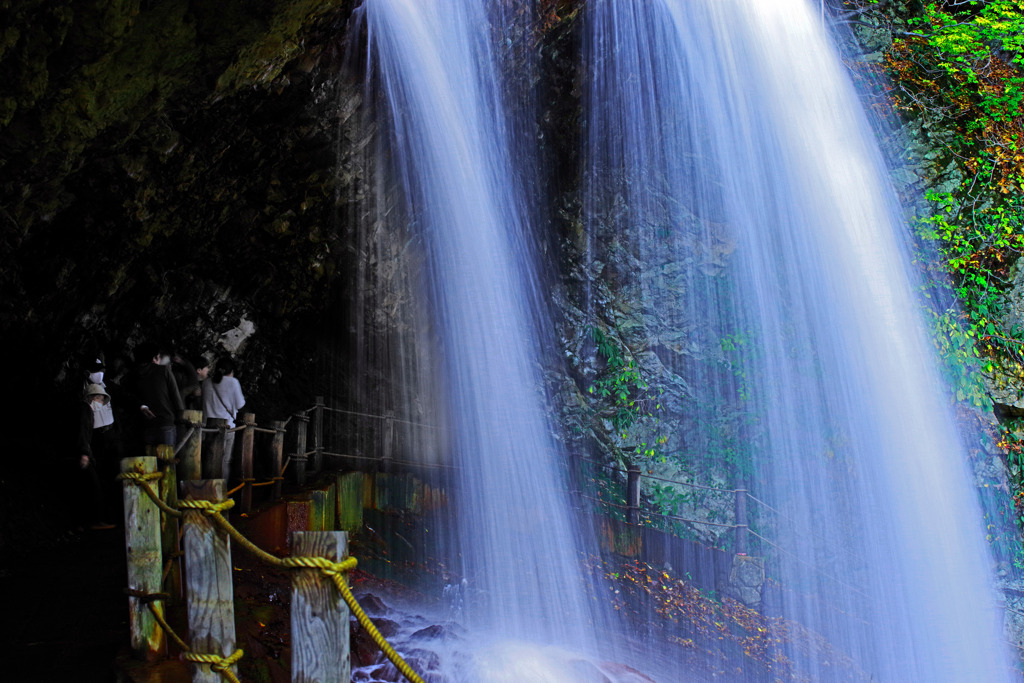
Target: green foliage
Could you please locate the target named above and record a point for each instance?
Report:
(964, 71)
(620, 383)
(966, 45)
(955, 342)
(976, 248)
(734, 346)
(959, 71)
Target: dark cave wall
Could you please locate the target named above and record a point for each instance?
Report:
(168, 168)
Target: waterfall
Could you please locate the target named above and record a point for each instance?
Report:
(440, 89)
(733, 192)
(727, 150)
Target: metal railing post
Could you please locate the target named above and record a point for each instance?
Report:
(318, 434)
(248, 442)
(741, 518)
(277, 456)
(633, 494)
(299, 457)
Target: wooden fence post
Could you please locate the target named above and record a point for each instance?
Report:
(633, 494)
(318, 434)
(248, 440)
(741, 518)
(171, 578)
(299, 458)
(213, 457)
(142, 541)
(277, 456)
(320, 627)
(209, 591)
(191, 456)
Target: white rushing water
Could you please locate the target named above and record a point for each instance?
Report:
(440, 87)
(730, 128)
(721, 131)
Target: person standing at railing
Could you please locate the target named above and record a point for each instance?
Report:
(99, 451)
(222, 398)
(161, 404)
(102, 411)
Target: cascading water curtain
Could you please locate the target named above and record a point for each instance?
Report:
(439, 88)
(724, 139)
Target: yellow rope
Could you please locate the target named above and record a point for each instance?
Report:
(249, 481)
(268, 482)
(167, 628)
(364, 620)
(218, 664)
(328, 567)
(207, 507)
(142, 481)
(237, 536)
(333, 570)
(135, 477)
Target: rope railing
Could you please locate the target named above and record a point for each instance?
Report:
(232, 430)
(318, 451)
(219, 665)
(263, 430)
(332, 409)
(844, 551)
(212, 510)
(254, 483)
(830, 544)
(184, 440)
(684, 483)
(811, 566)
(407, 463)
(652, 513)
(644, 475)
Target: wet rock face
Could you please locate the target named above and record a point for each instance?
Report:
(637, 309)
(172, 170)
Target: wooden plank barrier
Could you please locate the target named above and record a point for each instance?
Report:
(349, 489)
(209, 590)
(248, 441)
(324, 506)
(142, 542)
(320, 617)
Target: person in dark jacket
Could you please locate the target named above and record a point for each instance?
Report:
(189, 374)
(161, 405)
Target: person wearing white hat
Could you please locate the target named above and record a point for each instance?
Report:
(103, 413)
(98, 449)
